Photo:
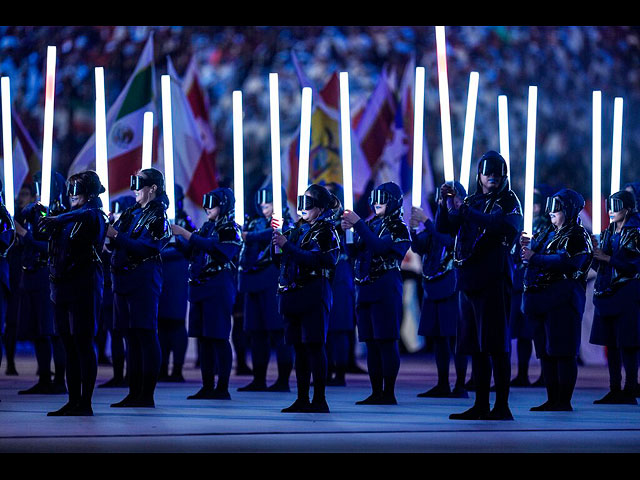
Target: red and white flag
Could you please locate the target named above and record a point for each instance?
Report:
(125, 126)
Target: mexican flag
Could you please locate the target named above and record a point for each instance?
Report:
(124, 127)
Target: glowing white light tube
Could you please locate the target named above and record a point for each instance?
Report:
(47, 144)
(617, 145)
(445, 116)
(503, 128)
(345, 136)
(530, 160)
(7, 147)
(102, 168)
(467, 143)
(276, 168)
(596, 165)
(147, 139)
(238, 167)
(305, 141)
(167, 131)
(418, 138)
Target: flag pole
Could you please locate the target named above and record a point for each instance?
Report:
(102, 168)
(9, 196)
(167, 131)
(530, 160)
(469, 124)
(418, 136)
(238, 167)
(47, 144)
(276, 169)
(503, 128)
(445, 116)
(596, 164)
(617, 145)
(345, 130)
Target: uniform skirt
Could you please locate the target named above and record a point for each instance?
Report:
(306, 312)
(342, 314)
(211, 307)
(35, 309)
(616, 318)
(557, 319)
(439, 318)
(483, 325)
(136, 295)
(379, 308)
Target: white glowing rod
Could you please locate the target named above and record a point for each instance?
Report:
(445, 116)
(467, 144)
(503, 128)
(418, 136)
(147, 139)
(47, 144)
(238, 170)
(345, 136)
(530, 160)
(7, 147)
(102, 168)
(167, 131)
(596, 168)
(617, 145)
(276, 170)
(305, 139)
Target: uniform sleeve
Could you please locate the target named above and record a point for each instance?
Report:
(146, 245)
(39, 245)
(320, 256)
(447, 222)
(223, 249)
(501, 223)
(381, 245)
(560, 262)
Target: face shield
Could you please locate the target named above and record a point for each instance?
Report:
(493, 166)
(209, 200)
(138, 182)
(380, 197)
(76, 188)
(554, 205)
(305, 203)
(264, 195)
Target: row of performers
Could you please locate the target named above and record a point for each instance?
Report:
(482, 281)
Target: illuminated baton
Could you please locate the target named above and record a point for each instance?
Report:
(305, 138)
(445, 117)
(238, 170)
(276, 170)
(102, 168)
(596, 168)
(167, 130)
(418, 135)
(147, 139)
(530, 160)
(7, 145)
(617, 145)
(47, 145)
(345, 136)
(467, 144)
(503, 128)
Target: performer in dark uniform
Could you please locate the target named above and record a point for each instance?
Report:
(258, 281)
(308, 257)
(616, 298)
(26, 196)
(440, 301)
(520, 325)
(342, 318)
(76, 275)
(35, 311)
(486, 225)
(212, 288)
(380, 245)
(172, 309)
(555, 294)
(106, 323)
(7, 239)
(136, 240)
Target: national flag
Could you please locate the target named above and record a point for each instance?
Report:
(125, 125)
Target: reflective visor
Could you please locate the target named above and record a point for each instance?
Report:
(493, 166)
(75, 188)
(209, 200)
(138, 182)
(380, 197)
(305, 202)
(554, 204)
(264, 195)
(614, 204)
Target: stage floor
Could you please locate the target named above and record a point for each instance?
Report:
(252, 422)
